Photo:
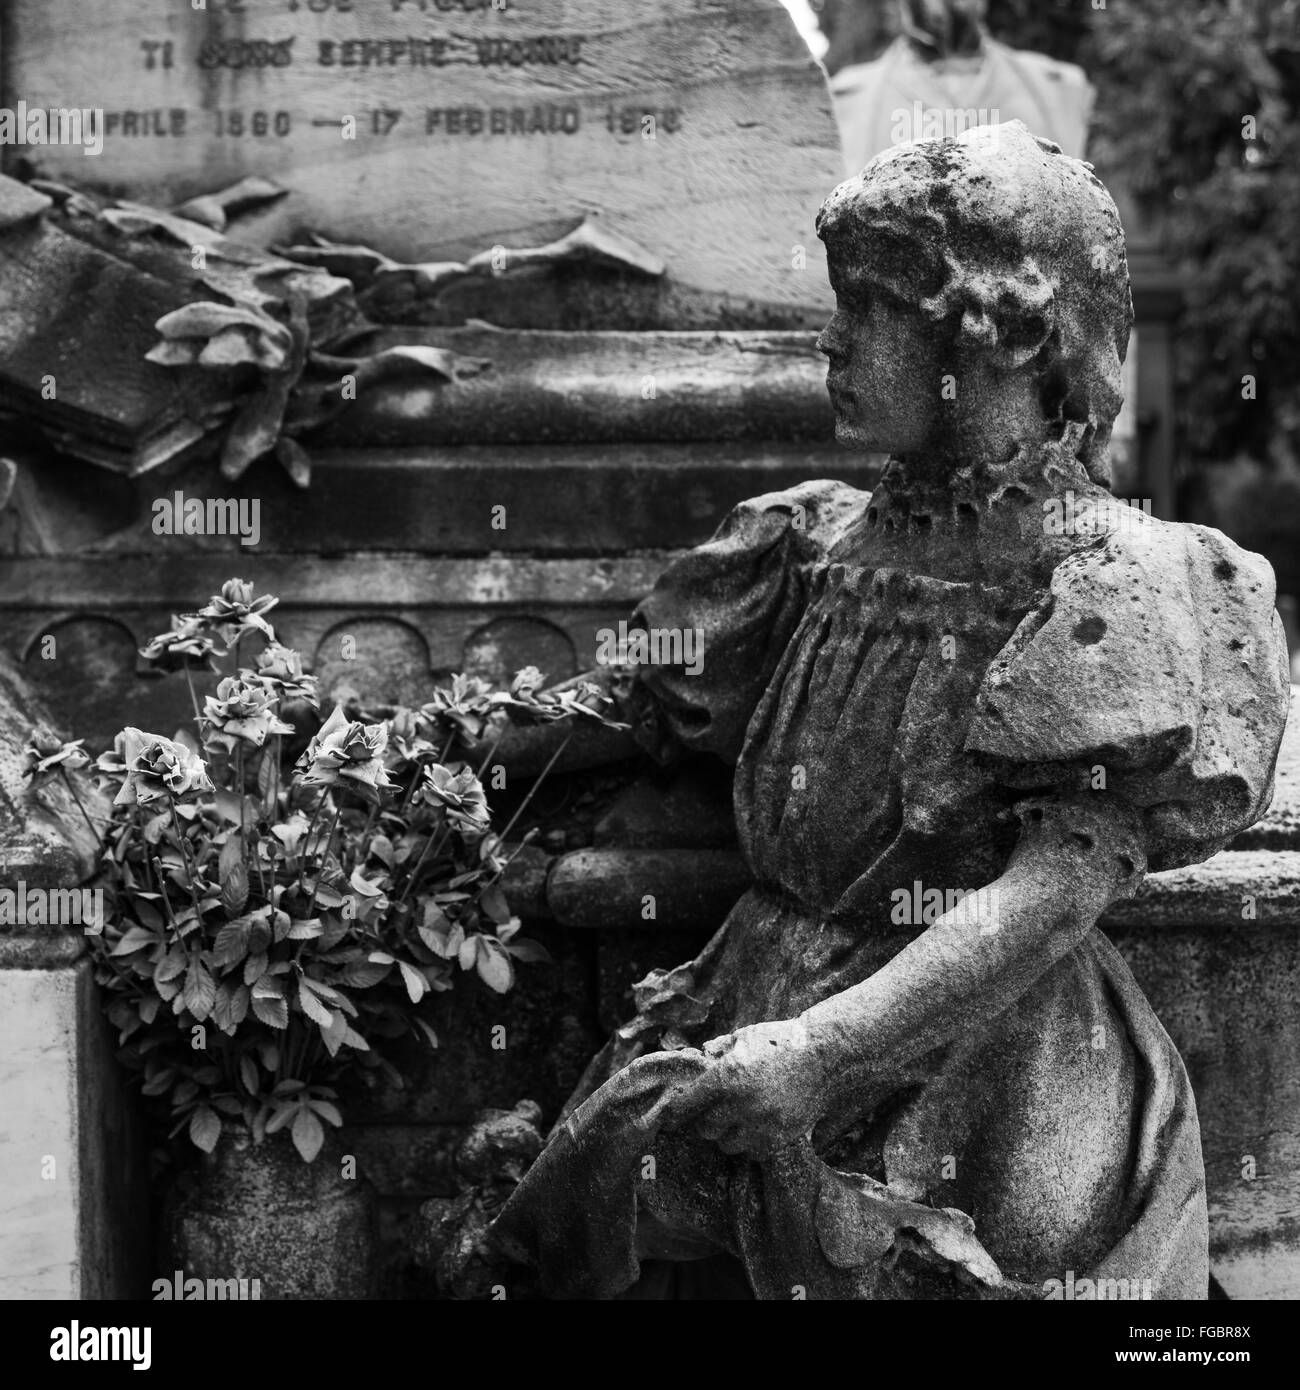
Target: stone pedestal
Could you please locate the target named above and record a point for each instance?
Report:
(74, 1213)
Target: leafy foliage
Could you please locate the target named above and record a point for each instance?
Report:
(1199, 110)
(273, 924)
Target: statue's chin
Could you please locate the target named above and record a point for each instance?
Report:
(853, 434)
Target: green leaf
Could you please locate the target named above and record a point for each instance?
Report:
(445, 944)
(254, 969)
(232, 940)
(313, 1008)
(362, 975)
(156, 827)
(308, 1134)
(234, 876)
(133, 939)
(274, 1012)
(416, 984)
(231, 1007)
(205, 1128)
(281, 1115)
(326, 1111)
(172, 964)
(147, 913)
(532, 952)
(494, 966)
(306, 929)
(494, 905)
(200, 990)
(336, 1034)
(427, 1031)
(185, 1092)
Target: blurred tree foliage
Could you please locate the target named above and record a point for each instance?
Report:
(1199, 107)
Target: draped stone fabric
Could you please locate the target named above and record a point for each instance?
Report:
(979, 660)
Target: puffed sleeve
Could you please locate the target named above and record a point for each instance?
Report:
(1159, 658)
(742, 593)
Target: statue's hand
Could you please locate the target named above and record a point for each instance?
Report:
(764, 1087)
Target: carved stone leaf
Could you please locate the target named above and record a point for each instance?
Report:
(296, 460)
(239, 346)
(356, 263)
(206, 319)
(176, 352)
(398, 362)
(589, 242)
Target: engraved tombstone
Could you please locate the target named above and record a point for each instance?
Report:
(701, 130)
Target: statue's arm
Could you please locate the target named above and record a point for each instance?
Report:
(774, 1081)
(1073, 859)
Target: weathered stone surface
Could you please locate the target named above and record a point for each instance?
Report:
(694, 808)
(473, 125)
(1279, 827)
(304, 1230)
(612, 387)
(597, 888)
(43, 840)
(1234, 888)
(1227, 997)
(405, 1160)
(74, 1202)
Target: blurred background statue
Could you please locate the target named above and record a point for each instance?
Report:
(945, 72)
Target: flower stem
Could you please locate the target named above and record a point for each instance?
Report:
(194, 699)
(533, 790)
(190, 868)
(324, 856)
(98, 836)
(162, 890)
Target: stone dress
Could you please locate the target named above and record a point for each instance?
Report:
(896, 676)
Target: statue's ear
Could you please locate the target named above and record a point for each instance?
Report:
(1011, 328)
(1021, 338)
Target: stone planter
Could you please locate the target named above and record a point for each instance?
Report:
(258, 1212)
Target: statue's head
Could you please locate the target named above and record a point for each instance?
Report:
(939, 28)
(989, 257)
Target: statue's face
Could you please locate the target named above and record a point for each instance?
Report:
(885, 378)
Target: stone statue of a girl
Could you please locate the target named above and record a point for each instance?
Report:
(988, 674)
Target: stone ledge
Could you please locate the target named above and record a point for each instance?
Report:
(695, 889)
(48, 950)
(1262, 883)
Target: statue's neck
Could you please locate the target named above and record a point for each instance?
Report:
(1045, 469)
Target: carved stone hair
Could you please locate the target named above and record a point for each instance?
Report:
(1016, 244)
